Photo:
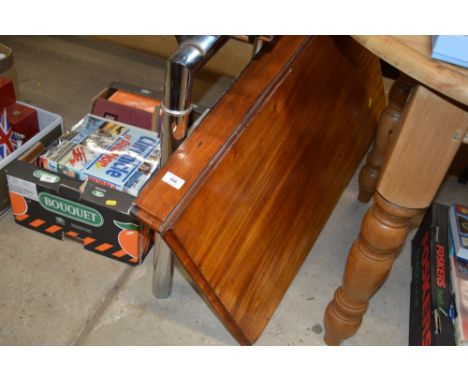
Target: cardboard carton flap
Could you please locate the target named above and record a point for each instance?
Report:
(107, 197)
(47, 179)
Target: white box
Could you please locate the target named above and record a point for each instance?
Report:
(50, 127)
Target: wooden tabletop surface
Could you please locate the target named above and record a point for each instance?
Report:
(412, 55)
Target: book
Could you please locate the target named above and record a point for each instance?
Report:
(431, 301)
(459, 282)
(459, 226)
(110, 153)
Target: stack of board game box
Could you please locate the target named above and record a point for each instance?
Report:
(439, 286)
(431, 304)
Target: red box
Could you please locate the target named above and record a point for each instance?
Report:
(23, 120)
(128, 104)
(7, 93)
(122, 113)
(131, 104)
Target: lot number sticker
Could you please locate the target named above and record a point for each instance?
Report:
(173, 180)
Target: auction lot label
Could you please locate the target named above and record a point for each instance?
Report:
(22, 187)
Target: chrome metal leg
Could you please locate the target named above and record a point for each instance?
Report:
(163, 268)
(193, 52)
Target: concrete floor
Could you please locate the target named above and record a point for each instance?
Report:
(56, 293)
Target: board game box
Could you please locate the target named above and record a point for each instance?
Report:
(459, 226)
(431, 301)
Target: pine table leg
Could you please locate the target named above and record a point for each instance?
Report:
(370, 172)
(383, 232)
(430, 133)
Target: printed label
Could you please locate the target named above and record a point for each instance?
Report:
(72, 210)
(173, 180)
(46, 177)
(49, 178)
(22, 187)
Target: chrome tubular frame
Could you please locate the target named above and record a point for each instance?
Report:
(193, 53)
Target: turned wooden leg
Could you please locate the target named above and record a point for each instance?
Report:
(370, 172)
(430, 133)
(383, 232)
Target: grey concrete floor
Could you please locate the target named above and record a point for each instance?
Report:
(56, 293)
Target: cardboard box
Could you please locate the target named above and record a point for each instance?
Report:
(99, 217)
(60, 206)
(50, 127)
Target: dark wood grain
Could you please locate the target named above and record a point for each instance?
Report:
(301, 118)
(158, 199)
